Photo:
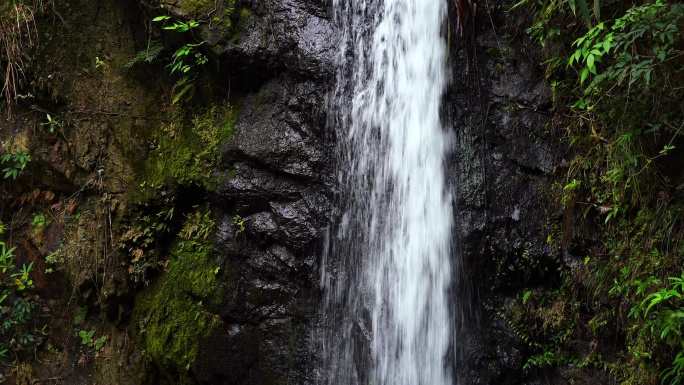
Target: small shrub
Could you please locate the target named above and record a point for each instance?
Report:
(17, 306)
(16, 160)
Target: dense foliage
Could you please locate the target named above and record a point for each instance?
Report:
(616, 73)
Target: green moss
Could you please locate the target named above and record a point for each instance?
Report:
(195, 8)
(232, 21)
(178, 311)
(265, 99)
(187, 150)
(175, 313)
(243, 16)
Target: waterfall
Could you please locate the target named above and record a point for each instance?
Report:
(387, 272)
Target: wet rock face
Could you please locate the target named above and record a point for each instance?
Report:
(275, 210)
(500, 171)
(273, 197)
(270, 37)
(281, 127)
(290, 34)
(276, 203)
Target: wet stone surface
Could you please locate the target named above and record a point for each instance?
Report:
(276, 198)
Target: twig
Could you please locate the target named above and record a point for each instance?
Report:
(113, 114)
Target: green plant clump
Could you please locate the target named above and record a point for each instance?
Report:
(88, 340)
(18, 308)
(186, 60)
(17, 160)
(146, 56)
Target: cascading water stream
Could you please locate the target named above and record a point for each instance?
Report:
(387, 273)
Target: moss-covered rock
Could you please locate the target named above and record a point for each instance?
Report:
(198, 9)
(186, 152)
(233, 22)
(174, 314)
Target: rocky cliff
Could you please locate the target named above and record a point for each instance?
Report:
(183, 214)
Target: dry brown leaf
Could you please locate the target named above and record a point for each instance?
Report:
(59, 205)
(49, 196)
(137, 254)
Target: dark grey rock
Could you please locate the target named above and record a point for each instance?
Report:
(280, 129)
(261, 224)
(280, 182)
(277, 181)
(501, 171)
(278, 36)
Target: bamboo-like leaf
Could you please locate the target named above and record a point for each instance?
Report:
(584, 9)
(597, 10)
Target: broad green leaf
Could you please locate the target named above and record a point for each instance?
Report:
(583, 75)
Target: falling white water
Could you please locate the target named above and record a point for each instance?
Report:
(387, 274)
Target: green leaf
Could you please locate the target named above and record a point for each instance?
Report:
(161, 18)
(583, 75)
(526, 296)
(184, 90)
(590, 60)
(176, 66)
(606, 46)
(661, 56)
